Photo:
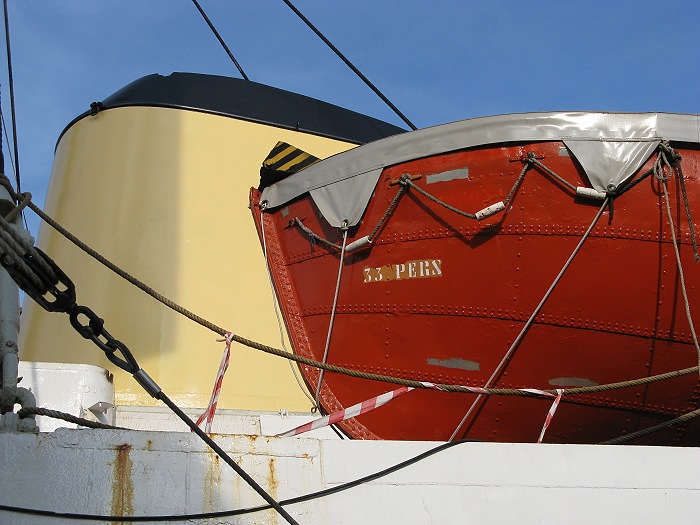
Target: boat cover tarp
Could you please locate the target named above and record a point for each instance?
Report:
(609, 146)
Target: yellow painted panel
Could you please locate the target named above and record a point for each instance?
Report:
(163, 193)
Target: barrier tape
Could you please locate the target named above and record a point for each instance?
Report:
(211, 408)
(348, 413)
(383, 399)
(551, 412)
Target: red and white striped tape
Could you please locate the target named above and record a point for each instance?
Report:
(551, 412)
(348, 413)
(383, 399)
(211, 408)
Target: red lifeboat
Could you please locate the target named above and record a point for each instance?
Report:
(524, 251)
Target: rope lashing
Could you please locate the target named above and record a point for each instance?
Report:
(362, 241)
(671, 159)
(18, 248)
(533, 160)
(405, 180)
(660, 166)
(210, 411)
(316, 237)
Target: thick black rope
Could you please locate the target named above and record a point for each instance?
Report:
(675, 162)
(349, 64)
(12, 97)
(221, 40)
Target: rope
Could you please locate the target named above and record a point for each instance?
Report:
(519, 179)
(15, 242)
(392, 205)
(12, 97)
(659, 166)
(311, 362)
(221, 40)
(666, 149)
(349, 64)
(24, 412)
(531, 158)
(315, 236)
(651, 430)
(409, 182)
(534, 314)
(333, 310)
(406, 181)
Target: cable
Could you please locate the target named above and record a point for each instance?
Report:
(12, 101)
(221, 40)
(349, 64)
(237, 512)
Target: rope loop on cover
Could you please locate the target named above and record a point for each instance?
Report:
(662, 165)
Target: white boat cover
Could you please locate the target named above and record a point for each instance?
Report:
(609, 146)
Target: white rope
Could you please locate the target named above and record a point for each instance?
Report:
(277, 312)
(335, 304)
(532, 317)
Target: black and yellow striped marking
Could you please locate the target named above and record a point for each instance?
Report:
(287, 158)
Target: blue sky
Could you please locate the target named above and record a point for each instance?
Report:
(438, 61)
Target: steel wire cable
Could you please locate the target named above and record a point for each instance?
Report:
(221, 40)
(350, 64)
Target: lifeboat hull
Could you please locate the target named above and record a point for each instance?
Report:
(442, 298)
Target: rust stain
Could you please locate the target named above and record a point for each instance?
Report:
(212, 482)
(272, 481)
(272, 484)
(122, 482)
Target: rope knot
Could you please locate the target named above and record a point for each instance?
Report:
(405, 180)
(671, 154)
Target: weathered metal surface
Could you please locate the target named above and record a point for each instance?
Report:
(71, 388)
(158, 473)
(617, 313)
